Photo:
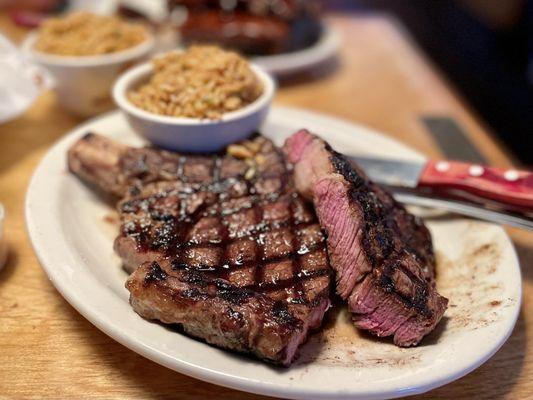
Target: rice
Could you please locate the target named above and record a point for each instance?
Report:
(86, 34)
(202, 82)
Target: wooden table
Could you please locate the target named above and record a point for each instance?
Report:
(48, 350)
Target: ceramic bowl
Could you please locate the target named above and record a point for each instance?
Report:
(192, 134)
(83, 83)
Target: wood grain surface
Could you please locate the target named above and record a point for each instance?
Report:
(381, 79)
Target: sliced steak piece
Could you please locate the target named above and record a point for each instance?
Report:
(382, 255)
(240, 263)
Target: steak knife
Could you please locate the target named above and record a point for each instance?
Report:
(498, 195)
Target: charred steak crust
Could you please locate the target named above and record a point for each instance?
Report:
(380, 234)
(208, 239)
(380, 208)
(381, 254)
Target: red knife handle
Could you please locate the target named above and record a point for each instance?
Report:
(507, 186)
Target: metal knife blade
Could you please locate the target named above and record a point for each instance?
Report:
(388, 172)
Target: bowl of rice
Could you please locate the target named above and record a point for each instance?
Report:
(197, 100)
(85, 53)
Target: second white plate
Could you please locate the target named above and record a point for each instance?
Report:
(289, 63)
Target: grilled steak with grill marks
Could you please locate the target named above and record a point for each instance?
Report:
(240, 263)
(382, 255)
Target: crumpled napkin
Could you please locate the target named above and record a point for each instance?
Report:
(20, 81)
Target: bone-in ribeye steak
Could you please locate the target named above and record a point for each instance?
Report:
(381, 254)
(240, 260)
(240, 263)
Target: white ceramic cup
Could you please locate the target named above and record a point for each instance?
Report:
(192, 134)
(84, 83)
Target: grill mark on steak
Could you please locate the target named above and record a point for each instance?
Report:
(155, 274)
(181, 163)
(248, 253)
(259, 249)
(419, 300)
(296, 267)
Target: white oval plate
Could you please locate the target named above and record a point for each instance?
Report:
(325, 48)
(478, 271)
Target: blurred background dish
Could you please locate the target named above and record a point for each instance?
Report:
(252, 27)
(83, 82)
(304, 60)
(282, 36)
(84, 34)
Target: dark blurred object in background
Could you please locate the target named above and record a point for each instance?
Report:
(31, 13)
(254, 27)
(485, 48)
